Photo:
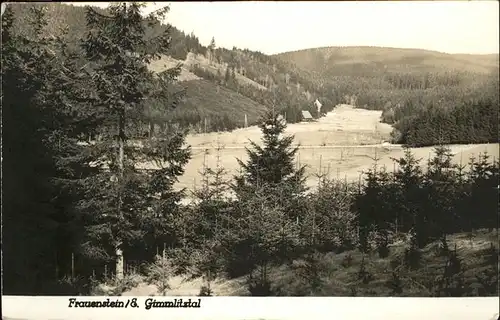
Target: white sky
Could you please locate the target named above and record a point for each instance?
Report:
(273, 27)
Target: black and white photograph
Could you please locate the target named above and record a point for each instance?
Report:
(250, 149)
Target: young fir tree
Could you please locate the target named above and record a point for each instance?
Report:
(271, 237)
(211, 51)
(210, 218)
(269, 195)
(375, 211)
(212, 196)
(409, 179)
(227, 77)
(441, 188)
(120, 196)
(332, 224)
(271, 166)
(482, 204)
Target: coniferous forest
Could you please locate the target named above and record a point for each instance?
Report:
(77, 212)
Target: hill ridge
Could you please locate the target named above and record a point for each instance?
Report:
(387, 47)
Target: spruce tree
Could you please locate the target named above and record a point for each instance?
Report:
(483, 197)
(270, 236)
(333, 224)
(211, 50)
(269, 194)
(272, 164)
(441, 188)
(409, 179)
(119, 197)
(271, 167)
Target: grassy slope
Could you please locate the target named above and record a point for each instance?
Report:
(340, 279)
(209, 100)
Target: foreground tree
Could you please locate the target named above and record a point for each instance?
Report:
(270, 178)
(119, 197)
(261, 234)
(442, 187)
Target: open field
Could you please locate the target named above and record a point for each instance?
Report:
(344, 125)
(346, 162)
(342, 144)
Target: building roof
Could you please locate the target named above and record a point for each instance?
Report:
(306, 114)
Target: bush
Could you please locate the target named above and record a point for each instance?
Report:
(363, 274)
(452, 282)
(412, 257)
(259, 287)
(412, 254)
(395, 283)
(347, 260)
(205, 291)
(309, 270)
(159, 273)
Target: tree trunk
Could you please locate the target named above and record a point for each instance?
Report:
(121, 147)
(119, 261)
(151, 129)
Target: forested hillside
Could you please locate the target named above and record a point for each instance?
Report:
(430, 97)
(268, 83)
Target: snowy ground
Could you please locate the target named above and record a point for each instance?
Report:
(342, 144)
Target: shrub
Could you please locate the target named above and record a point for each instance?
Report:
(347, 260)
(412, 254)
(159, 273)
(452, 282)
(259, 287)
(205, 291)
(395, 283)
(309, 270)
(363, 274)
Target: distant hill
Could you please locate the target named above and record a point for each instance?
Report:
(373, 61)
